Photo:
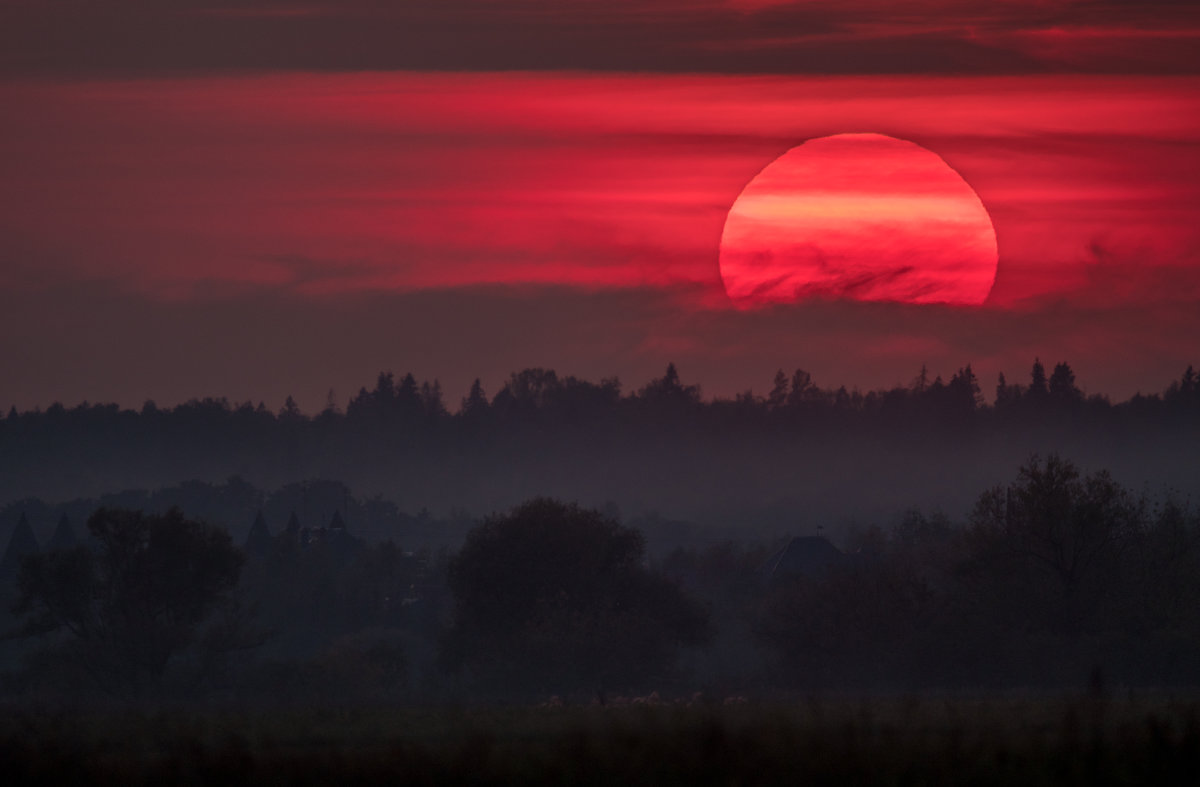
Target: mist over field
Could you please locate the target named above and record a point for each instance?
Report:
(752, 467)
(567, 538)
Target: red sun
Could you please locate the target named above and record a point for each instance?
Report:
(858, 216)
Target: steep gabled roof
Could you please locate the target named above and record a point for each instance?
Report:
(64, 536)
(337, 523)
(803, 556)
(258, 541)
(337, 538)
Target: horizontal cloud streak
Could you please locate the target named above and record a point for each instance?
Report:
(257, 236)
(410, 181)
(859, 36)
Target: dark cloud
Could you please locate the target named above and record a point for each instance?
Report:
(859, 36)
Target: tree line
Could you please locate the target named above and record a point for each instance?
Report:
(538, 392)
(1054, 579)
(662, 447)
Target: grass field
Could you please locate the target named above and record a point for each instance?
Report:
(927, 741)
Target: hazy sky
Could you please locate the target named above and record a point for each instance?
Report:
(256, 199)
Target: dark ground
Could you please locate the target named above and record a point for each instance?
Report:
(1030, 740)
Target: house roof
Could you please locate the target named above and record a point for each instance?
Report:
(63, 537)
(258, 540)
(802, 556)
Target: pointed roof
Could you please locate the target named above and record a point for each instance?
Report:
(64, 536)
(336, 538)
(259, 541)
(340, 541)
(803, 556)
(21, 543)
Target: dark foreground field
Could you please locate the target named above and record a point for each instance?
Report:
(895, 741)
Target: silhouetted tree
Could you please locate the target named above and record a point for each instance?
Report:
(921, 382)
(431, 399)
(385, 388)
(668, 390)
(1062, 387)
(551, 597)
(392, 402)
(1052, 522)
(963, 394)
(1007, 395)
(1185, 391)
(475, 403)
(1166, 577)
(804, 391)
(936, 392)
(1038, 388)
(138, 601)
(851, 624)
(290, 412)
(580, 400)
(331, 410)
(527, 392)
(779, 391)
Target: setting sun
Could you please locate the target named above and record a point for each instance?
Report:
(858, 216)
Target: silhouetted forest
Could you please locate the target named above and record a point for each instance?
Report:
(797, 456)
(807, 538)
(1056, 578)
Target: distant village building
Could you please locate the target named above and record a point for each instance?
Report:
(63, 537)
(21, 543)
(333, 538)
(259, 543)
(290, 538)
(336, 537)
(293, 526)
(810, 557)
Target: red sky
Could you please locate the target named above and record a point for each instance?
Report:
(169, 228)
